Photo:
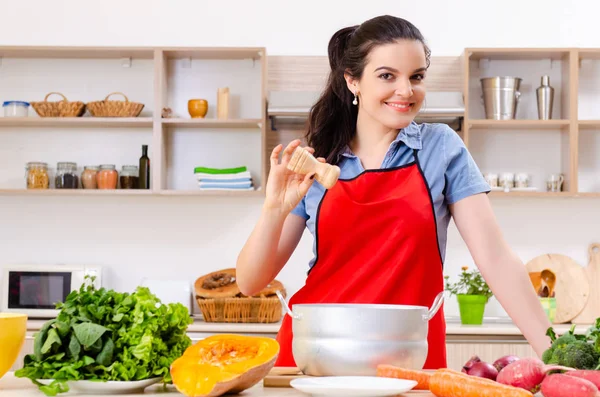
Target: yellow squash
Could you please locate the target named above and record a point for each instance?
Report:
(223, 364)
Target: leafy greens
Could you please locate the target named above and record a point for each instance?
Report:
(106, 335)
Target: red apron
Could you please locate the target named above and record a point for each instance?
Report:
(376, 242)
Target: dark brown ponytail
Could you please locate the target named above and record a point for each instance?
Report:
(332, 119)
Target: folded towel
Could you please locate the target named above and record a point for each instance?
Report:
(226, 187)
(243, 183)
(213, 177)
(220, 171)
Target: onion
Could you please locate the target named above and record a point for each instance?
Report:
(504, 361)
(483, 370)
(469, 364)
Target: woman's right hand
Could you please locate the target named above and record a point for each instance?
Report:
(286, 188)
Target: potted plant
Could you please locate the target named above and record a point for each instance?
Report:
(472, 293)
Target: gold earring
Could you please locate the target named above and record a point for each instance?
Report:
(355, 101)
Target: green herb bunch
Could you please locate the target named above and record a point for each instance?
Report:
(469, 283)
(105, 335)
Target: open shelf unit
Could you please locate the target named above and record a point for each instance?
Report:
(566, 144)
(158, 77)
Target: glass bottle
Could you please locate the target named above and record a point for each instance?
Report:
(66, 176)
(144, 173)
(129, 177)
(107, 177)
(88, 177)
(37, 175)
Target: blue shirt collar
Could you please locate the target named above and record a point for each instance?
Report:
(410, 136)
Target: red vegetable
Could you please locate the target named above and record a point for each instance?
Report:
(561, 385)
(527, 373)
(504, 361)
(469, 364)
(483, 370)
(592, 376)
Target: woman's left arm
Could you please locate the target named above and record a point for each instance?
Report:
(502, 269)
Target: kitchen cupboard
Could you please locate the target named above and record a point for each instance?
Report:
(159, 78)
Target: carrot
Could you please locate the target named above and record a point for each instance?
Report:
(391, 371)
(449, 383)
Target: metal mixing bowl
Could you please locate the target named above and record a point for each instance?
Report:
(352, 339)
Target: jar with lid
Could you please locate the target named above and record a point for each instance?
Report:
(37, 175)
(88, 177)
(15, 108)
(66, 175)
(129, 177)
(107, 177)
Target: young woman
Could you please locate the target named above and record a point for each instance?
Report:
(380, 231)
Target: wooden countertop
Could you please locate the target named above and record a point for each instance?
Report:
(18, 387)
(452, 328)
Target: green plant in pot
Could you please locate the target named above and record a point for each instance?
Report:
(472, 293)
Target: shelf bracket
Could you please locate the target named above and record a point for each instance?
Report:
(272, 120)
(126, 62)
(484, 63)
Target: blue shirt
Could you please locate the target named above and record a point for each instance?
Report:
(449, 170)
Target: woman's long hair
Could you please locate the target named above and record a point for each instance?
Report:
(332, 119)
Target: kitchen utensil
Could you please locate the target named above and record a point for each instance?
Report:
(336, 339)
(303, 162)
(282, 376)
(545, 99)
(353, 386)
(13, 327)
(501, 97)
(591, 311)
(571, 286)
(554, 183)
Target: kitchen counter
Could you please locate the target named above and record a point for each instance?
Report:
(17, 387)
(452, 328)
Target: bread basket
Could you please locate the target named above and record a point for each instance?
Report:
(62, 108)
(220, 300)
(108, 108)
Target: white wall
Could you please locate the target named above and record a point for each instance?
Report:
(182, 238)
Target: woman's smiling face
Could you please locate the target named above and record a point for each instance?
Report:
(391, 90)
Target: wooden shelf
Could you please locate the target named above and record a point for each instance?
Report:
(589, 124)
(518, 53)
(234, 193)
(76, 52)
(220, 53)
(212, 123)
(530, 194)
(525, 124)
(64, 122)
(75, 192)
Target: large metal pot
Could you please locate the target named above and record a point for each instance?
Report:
(352, 339)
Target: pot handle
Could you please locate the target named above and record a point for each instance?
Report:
(437, 303)
(286, 307)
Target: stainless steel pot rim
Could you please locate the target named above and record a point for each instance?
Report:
(375, 306)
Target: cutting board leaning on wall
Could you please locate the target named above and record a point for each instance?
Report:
(591, 310)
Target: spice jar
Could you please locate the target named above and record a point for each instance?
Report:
(66, 176)
(129, 177)
(37, 175)
(107, 177)
(88, 177)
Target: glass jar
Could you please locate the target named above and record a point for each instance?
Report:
(66, 176)
(107, 177)
(129, 177)
(37, 175)
(88, 177)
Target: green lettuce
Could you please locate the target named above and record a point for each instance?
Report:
(104, 335)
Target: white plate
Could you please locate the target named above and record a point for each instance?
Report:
(108, 387)
(353, 386)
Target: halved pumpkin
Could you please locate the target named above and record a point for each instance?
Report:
(222, 364)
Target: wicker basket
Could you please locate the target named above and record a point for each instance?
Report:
(62, 108)
(241, 310)
(108, 108)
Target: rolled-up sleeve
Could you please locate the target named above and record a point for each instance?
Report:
(300, 209)
(462, 176)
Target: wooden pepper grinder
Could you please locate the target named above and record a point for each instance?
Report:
(303, 162)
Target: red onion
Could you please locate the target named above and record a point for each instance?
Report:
(504, 361)
(469, 364)
(483, 370)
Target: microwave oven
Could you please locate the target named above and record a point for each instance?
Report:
(34, 290)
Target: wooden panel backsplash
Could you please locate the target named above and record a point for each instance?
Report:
(309, 73)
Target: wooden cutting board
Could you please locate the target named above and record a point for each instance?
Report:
(572, 288)
(591, 311)
(282, 376)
